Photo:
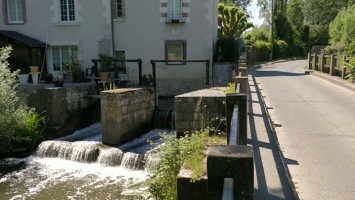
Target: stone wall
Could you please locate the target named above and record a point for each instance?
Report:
(176, 86)
(197, 109)
(126, 114)
(66, 109)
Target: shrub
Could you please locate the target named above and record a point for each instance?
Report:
(19, 126)
(342, 32)
(350, 70)
(280, 49)
(262, 45)
(226, 50)
(186, 152)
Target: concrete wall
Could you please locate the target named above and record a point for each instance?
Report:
(126, 114)
(222, 73)
(66, 108)
(195, 110)
(143, 32)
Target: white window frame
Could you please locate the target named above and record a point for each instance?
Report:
(71, 50)
(173, 13)
(17, 21)
(67, 13)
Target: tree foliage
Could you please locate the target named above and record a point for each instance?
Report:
(20, 127)
(241, 4)
(232, 21)
(342, 31)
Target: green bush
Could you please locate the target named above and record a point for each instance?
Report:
(342, 32)
(185, 152)
(280, 49)
(226, 50)
(20, 127)
(262, 45)
(350, 70)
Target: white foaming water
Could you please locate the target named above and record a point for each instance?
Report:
(43, 174)
(79, 166)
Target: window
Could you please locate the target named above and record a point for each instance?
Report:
(62, 56)
(67, 10)
(15, 12)
(174, 11)
(175, 50)
(119, 9)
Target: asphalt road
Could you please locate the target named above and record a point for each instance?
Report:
(315, 125)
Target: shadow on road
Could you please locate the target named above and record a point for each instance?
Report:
(278, 73)
(266, 152)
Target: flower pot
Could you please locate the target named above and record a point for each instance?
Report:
(103, 76)
(34, 77)
(23, 78)
(58, 83)
(34, 68)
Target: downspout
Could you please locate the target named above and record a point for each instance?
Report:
(112, 31)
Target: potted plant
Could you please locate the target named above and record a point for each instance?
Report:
(105, 66)
(48, 78)
(77, 72)
(58, 82)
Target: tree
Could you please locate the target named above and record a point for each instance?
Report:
(266, 6)
(19, 125)
(241, 4)
(232, 22)
(342, 31)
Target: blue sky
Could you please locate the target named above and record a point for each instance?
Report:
(255, 13)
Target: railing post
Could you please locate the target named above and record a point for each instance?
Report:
(332, 64)
(314, 64)
(322, 62)
(309, 61)
(235, 162)
(140, 72)
(241, 100)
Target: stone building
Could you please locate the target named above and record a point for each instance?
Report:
(82, 29)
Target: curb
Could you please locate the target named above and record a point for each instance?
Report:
(272, 125)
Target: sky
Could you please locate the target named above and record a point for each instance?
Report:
(255, 13)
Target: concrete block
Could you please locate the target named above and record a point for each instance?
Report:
(243, 70)
(235, 162)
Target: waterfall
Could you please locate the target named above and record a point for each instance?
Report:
(164, 119)
(94, 152)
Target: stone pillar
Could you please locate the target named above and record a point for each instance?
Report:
(309, 61)
(243, 80)
(235, 162)
(332, 64)
(126, 114)
(241, 100)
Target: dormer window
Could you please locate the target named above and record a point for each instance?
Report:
(174, 14)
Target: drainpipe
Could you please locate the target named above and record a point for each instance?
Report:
(112, 30)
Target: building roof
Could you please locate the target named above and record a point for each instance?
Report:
(24, 39)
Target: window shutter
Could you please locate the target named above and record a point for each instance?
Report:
(170, 10)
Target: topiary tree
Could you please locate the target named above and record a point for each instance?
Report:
(232, 22)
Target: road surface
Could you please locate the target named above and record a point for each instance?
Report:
(315, 125)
